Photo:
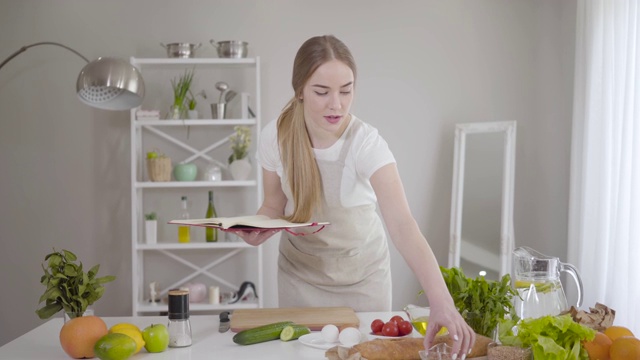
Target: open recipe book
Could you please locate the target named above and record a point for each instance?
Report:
(252, 222)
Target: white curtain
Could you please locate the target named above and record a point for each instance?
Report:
(604, 212)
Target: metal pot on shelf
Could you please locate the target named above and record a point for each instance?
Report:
(231, 48)
(181, 50)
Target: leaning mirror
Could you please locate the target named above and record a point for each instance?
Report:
(481, 233)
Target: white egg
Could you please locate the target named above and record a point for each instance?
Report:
(350, 336)
(330, 333)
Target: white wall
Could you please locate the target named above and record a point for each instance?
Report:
(423, 66)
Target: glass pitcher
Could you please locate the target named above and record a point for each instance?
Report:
(537, 281)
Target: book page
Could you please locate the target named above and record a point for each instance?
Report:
(253, 221)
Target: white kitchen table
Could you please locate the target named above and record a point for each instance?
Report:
(43, 343)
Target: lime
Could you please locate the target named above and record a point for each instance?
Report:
(115, 346)
(135, 334)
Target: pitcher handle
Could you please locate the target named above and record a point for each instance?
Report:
(573, 271)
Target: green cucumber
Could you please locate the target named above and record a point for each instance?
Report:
(293, 332)
(261, 333)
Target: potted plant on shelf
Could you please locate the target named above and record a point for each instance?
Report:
(181, 88)
(151, 228)
(239, 165)
(69, 288)
(193, 113)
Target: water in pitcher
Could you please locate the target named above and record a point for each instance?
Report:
(539, 297)
(537, 281)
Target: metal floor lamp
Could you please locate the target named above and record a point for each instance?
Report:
(105, 83)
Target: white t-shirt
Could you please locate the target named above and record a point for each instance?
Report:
(368, 153)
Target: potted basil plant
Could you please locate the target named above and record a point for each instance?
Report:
(69, 288)
(193, 113)
(151, 228)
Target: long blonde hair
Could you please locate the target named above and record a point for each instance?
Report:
(298, 158)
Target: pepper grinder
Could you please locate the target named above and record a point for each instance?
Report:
(179, 324)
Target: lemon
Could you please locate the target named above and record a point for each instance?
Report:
(541, 287)
(118, 326)
(114, 346)
(135, 334)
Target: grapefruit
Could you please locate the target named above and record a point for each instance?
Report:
(79, 335)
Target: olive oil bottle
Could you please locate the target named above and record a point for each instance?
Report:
(184, 232)
(211, 233)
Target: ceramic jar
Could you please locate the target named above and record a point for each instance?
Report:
(185, 172)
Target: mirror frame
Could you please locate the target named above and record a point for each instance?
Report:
(507, 241)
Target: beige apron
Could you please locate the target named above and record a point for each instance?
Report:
(345, 264)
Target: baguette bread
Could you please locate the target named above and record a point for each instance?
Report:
(398, 349)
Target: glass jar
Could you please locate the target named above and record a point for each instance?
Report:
(212, 173)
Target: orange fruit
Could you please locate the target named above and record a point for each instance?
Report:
(79, 335)
(614, 332)
(625, 348)
(598, 348)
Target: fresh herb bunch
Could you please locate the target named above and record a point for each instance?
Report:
(481, 303)
(240, 142)
(68, 286)
(181, 88)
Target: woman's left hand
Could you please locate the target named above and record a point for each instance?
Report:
(462, 335)
(254, 237)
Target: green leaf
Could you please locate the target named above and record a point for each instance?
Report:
(70, 256)
(93, 271)
(51, 294)
(55, 260)
(105, 279)
(48, 311)
(71, 270)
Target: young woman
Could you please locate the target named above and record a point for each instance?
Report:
(322, 163)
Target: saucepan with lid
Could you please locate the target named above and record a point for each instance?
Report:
(231, 48)
(181, 50)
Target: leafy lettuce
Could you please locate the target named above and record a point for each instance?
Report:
(550, 337)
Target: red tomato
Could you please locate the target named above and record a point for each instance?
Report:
(376, 325)
(390, 329)
(397, 319)
(405, 328)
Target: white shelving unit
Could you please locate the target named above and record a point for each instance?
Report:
(202, 141)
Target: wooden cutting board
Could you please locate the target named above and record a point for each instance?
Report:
(313, 317)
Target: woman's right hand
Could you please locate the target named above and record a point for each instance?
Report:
(254, 237)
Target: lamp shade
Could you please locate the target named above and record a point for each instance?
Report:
(111, 84)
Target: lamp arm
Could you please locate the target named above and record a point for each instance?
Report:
(24, 48)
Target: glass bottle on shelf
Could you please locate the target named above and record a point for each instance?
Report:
(211, 233)
(184, 232)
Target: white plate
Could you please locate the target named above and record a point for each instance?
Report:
(315, 340)
(373, 336)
